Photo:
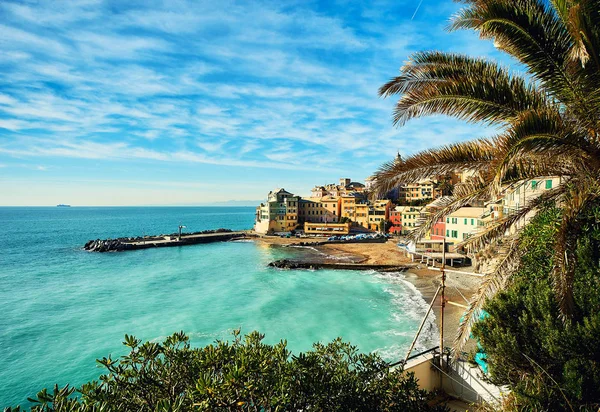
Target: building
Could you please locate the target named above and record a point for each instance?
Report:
(464, 222)
(345, 187)
(379, 212)
(421, 191)
(353, 206)
(278, 214)
(326, 229)
(410, 217)
(438, 230)
(396, 221)
(319, 209)
(518, 195)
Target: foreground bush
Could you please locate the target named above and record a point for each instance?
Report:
(244, 374)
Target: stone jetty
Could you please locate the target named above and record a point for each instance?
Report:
(147, 242)
(294, 264)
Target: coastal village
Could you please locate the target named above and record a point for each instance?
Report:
(346, 208)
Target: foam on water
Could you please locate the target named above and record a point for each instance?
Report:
(62, 308)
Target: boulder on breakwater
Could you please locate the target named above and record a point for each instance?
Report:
(107, 245)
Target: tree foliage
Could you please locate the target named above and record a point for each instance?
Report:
(242, 375)
(548, 366)
(548, 122)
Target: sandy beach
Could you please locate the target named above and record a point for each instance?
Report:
(426, 281)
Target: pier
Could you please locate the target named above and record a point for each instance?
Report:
(149, 242)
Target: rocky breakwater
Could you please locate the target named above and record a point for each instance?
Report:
(296, 264)
(173, 239)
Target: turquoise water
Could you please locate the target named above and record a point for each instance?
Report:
(62, 307)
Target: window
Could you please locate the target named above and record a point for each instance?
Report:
(465, 221)
(447, 233)
(455, 233)
(548, 184)
(533, 185)
(447, 220)
(472, 222)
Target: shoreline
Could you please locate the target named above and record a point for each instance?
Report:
(426, 281)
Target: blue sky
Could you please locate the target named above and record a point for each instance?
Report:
(190, 102)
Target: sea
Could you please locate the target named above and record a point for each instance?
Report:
(62, 307)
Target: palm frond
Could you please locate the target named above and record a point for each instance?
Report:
(451, 74)
(490, 286)
(471, 155)
(532, 32)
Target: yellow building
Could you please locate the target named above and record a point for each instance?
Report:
(278, 214)
(379, 212)
(319, 209)
(355, 208)
(423, 190)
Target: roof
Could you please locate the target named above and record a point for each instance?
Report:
(468, 212)
(279, 190)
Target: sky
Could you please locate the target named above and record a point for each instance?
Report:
(173, 102)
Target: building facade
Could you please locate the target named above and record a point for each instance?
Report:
(278, 214)
(379, 214)
(319, 209)
(410, 216)
(420, 191)
(355, 208)
(395, 221)
(464, 222)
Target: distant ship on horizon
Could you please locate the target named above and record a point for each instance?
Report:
(61, 205)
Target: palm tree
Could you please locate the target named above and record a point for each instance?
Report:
(548, 121)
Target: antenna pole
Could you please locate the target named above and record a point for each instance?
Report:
(443, 301)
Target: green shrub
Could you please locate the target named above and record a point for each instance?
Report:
(245, 374)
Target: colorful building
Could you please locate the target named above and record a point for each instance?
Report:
(396, 221)
(379, 212)
(319, 209)
(355, 207)
(464, 223)
(420, 191)
(345, 187)
(410, 216)
(278, 214)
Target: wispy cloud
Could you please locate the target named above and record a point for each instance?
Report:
(254, 85)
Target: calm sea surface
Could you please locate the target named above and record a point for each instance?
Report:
(62, 307)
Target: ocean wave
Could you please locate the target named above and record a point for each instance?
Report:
(409, 304)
